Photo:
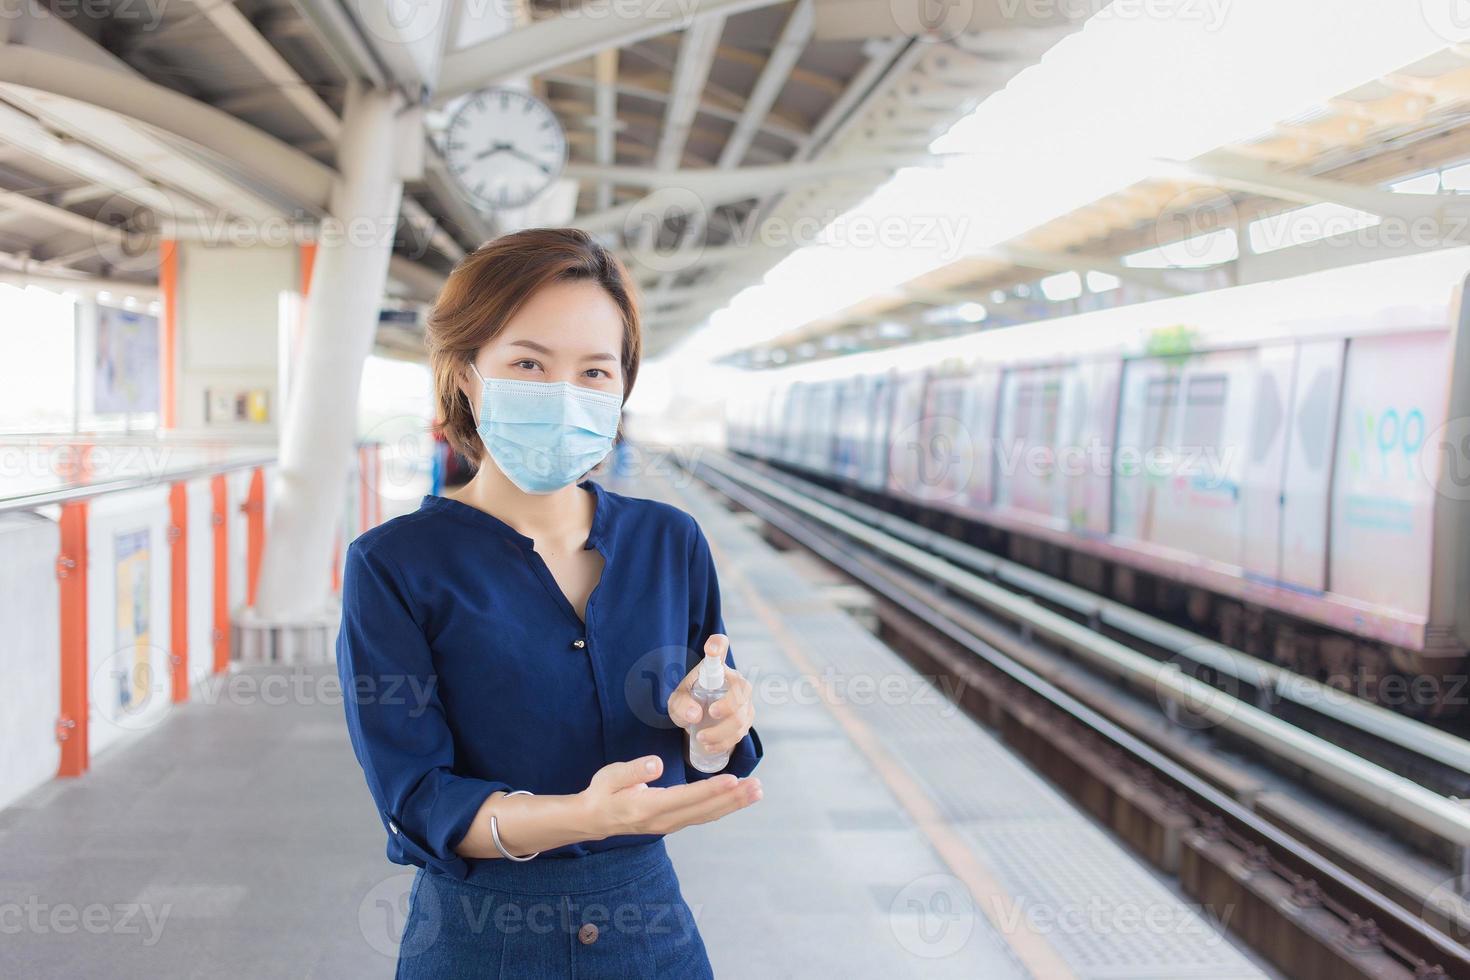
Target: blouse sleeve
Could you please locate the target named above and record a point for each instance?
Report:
(396, 720)
(704, 620)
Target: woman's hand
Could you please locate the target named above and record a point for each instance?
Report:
(620, 801)
(734, 713)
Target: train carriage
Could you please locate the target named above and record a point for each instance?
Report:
(1279, 445)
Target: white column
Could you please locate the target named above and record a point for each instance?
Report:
(342, 306)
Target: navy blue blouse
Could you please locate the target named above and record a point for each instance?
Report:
(466, 670)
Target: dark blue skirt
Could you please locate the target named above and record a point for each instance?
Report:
(614, 914)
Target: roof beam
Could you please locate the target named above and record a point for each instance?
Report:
(254, 48)
(691, 71)
(62, 218)
(710, 188)
(605, 114)
(789, 46)
(295, 173)
(1078, 262)
(773, 125)
(795, 35)
(558, 40)
(1253, 178)
(743, 182)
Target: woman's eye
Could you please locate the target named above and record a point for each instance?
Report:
(597, 373)
(527, 363)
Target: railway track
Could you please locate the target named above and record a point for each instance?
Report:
(1044, 663)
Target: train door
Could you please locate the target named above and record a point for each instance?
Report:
(853, 412)
(1304, 505)
(1265, 461)
(1031, 401)
(792, 423)
(946, 454)
(816, 453)
(904, 443)
(1196, 505)
(1086, 448)
(1148, 407)
(874, 471)
(982, 395)
(1395, 403)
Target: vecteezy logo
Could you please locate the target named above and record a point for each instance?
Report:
(400, 21)
(1450, 19)
(383, 914)
(933, 458)
(932, 916)
(651, 680)
(1194, 695)
(1187, 226)
(933, 20)
(131, 687)
(1443, 459)
(648, 216)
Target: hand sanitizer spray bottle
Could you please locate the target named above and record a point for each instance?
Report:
(708, 687)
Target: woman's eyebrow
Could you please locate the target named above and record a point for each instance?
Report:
(543, 349)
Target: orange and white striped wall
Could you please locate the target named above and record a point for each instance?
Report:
(120, 606)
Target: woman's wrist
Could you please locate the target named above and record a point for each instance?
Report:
(587, 816)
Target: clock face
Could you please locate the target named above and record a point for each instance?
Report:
(504, 147)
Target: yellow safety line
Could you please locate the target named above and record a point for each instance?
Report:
(987, 892)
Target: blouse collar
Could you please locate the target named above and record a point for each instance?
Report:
(596, 536)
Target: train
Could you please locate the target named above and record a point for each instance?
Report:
(1283, 466)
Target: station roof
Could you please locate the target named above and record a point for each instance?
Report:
(774, 119)
(187, 116)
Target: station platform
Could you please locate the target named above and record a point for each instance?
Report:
(896, 838)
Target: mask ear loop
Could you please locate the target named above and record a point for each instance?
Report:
(474, 409)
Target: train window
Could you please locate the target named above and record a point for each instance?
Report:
(1204, 410)
(1159, 398)
(1036, 412)
(1267, 417)
(1314, 419)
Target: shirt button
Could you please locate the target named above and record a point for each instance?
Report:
(579, 643)
(587, 934)
(392, 826)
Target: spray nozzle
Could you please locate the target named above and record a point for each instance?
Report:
(711, 673)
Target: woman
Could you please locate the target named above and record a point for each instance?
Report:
(517, 655)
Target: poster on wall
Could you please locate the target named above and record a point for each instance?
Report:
(132, 637)
(126, 369)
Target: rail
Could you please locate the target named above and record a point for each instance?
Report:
(1354, 899)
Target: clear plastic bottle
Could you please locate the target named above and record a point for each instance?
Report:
(708, 687)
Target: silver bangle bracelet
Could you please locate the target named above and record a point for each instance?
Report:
(495, 832)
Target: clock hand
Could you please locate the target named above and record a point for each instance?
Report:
(543, 167)
(494, 148)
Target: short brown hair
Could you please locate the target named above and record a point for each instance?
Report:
(489, 286)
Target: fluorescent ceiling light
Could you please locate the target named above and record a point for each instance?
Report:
(1168, 79)
(1422, 184)
(1309, 224)
(1062, 286)
(971, 312)
(1102, 282)
(1198, 252)
(1456, 178)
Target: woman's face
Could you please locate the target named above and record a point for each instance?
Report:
(568, 331)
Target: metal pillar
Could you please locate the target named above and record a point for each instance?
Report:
(341, 318)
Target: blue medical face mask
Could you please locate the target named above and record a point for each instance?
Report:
(545, 434)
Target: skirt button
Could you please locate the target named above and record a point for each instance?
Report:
(587, 934)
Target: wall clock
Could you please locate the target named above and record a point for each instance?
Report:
(504, 147)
